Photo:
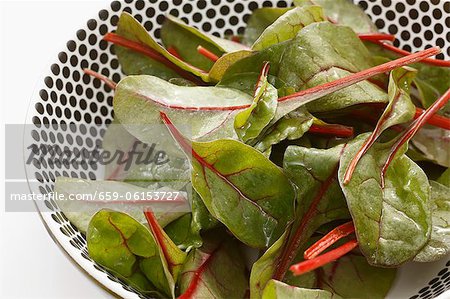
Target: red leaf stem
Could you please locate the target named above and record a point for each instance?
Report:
(102, 78)
(329, 239)
(412, 130)
(321, 260)
(208, 54)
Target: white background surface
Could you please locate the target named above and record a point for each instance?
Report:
(31, 33)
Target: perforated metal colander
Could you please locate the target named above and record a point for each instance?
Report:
(66, 95)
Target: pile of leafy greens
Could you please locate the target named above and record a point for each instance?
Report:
(290, 141)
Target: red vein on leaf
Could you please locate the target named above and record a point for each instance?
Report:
(262, 77)
(149, 52)
(329, 239)
(160, 238)
(208, 54)
(372, 138)
(187, 148)
(413, 129)
(327, 88)
(190, 291)
(236, 39)
(376, 37)
(332, 129)
(290, 251)
(110, 83)
(431, 61)
(321, 260)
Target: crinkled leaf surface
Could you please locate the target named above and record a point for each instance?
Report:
(243, 190)
(343, 12)
(217, 270)
(124, 246)
(204, 110)
(392, 223)
(287, 26)
(320, 53)
(439, 244)
(279, 290)
(290, 127)
(80, 212)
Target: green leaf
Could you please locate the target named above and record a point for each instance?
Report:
(185, 231)
(250, 122)
(240, 187)
(287, 26)
(444, 179)
(292, 126)
(172, 254)
(319, 201)
(185, 39)
(264, 267)
(80, 212)
(138, 100)
(343, 12)
(216, 270)
(259, 20)
(433, 144)
(279, 290)
(439, 244)
(392, 222)
(431, 81)
(135, 63)
(124, 246)
(320, 53)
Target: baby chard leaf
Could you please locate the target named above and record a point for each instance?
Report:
(217, 270)
(278, 290)
(444, 179)
(393, 222)
(126, 247)
(172, 254)
(240, 187)
(185, 40)
(287, 26)
(138, 100)
(439, 243)
(343, 12)
(259, 20)
(250, 122)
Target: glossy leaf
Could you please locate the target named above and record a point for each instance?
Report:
(279, 290)
(124, 246)
(343, 12)
(395, 223)
(259, 20)
(138, 100)
(225, 173)
(319, 197)
(290, 127)
(250, 122)
(287, 26)
(216, 270)
(439, 244)
(320, 53)
(80, 212)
